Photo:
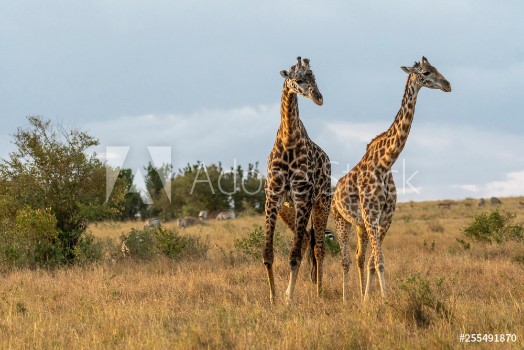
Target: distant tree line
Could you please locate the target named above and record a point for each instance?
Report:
(194, 188)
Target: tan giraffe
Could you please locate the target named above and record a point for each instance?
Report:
(298, 181)
(366, 196)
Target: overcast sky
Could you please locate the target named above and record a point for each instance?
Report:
(203, 78)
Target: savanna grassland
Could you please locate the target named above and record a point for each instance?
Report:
(437, 289)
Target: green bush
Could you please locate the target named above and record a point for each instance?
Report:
(149, 243)
(175, 246)
(51, 186)
(494, 227)
(91, 249)
(332, 246)
(252, 243)
(30, 239)
(420, 303)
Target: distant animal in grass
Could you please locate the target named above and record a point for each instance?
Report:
(187, 221)
(182, 223)
(202, 216)
(328, 234)
(495, 201)
(446, 205)
(226, 215)
(482, 202)
(152, 223)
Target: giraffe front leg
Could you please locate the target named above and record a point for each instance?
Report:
(302, 216)
(382, 230)
(268, 254)
(343, 230)
(376, 263)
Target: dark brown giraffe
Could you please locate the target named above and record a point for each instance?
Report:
(298, 180)
(366, 196)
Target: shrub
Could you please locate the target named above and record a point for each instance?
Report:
(141, 244)
(91, 249)
(176, 246)
(30, 239)
(332, 246)
(53, 174)
(148, 243)
(252, 243)
(420, 303)
(494, 227)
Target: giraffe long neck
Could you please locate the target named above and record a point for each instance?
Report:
(397, 134)
(290, 124)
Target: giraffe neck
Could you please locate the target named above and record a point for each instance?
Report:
(290, 124)
(397, 134)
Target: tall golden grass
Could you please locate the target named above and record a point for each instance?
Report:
(222, 301)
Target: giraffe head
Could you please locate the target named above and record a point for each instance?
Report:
(301, 80)
(428, 75)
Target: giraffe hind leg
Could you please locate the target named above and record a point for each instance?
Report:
(319, 220)
(287, 214)
(343, 228)
(362, 243)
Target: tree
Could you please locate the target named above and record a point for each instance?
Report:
(155, 180)
(133, 203)
(52, 171)
(253, 188)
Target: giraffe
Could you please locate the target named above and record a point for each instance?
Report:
(298, 181)
(366, 196)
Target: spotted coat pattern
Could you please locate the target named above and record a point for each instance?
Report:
(366, 196)
(298, 181)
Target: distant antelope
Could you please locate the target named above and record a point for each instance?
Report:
(521, 203)
(226, 215)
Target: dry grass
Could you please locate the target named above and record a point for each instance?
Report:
(222, 301)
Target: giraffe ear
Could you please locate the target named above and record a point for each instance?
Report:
(407, 69)
(284, 74)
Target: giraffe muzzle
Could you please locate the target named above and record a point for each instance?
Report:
(317, 98)
(446, 86)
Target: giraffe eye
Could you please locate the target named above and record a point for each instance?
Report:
(426, 73)
(300, 81)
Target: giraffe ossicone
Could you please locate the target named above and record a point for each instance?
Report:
(366, 196)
